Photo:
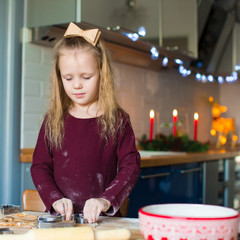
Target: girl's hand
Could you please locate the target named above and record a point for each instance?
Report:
(64, 206)
(93, 207)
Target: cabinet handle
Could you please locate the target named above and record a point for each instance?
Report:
(190, 170)
(155, 175)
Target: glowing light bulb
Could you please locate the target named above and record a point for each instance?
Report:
(210, 99)
(154, 52)
(184, 71)
(220, 79)
(229, 78)
(222, 139)
(165, 62)
(234, 138)
(178, 61)
(213, 132)
(210, 78)
(204, 79)
(232, 78)
(198, 76)
(181, 69)
(189, 72)
(237, 67)
(235, 76)
(142, 31)
(133, 36)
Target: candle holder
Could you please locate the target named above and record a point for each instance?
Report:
(171, 143)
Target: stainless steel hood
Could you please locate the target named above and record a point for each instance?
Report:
(48, 35)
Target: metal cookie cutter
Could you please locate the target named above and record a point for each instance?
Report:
(10, 209)
(5, 231)
(47, 221)
(51, 218)
(78, 218)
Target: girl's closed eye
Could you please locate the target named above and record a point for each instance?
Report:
(68, 78)
(86, 77)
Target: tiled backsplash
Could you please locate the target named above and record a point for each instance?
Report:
(138, 90)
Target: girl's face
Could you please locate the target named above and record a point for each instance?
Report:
(80, 76)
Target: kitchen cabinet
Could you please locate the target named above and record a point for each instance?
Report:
(49, 12)
(119, 13)
(169, 184)
(208, 182)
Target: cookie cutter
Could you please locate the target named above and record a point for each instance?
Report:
(50, 221)
(5, 231)
(54, 221)
(78, 218)
(51, 218)
(7, 209)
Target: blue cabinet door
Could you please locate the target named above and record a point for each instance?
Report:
(171, 184)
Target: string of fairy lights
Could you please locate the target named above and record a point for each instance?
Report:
(184, 71)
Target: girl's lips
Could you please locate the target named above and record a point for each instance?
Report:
(79, 95)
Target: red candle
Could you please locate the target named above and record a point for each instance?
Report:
(195, 126)
(175, 113)
(151, 124)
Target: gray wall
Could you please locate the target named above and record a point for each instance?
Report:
(11, 22)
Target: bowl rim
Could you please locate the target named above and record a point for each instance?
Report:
(141, 211)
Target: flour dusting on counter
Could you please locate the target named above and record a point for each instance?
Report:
(107, 222)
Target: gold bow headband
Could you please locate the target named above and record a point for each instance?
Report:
(91, 35)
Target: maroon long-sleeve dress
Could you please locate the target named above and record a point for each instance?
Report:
(85, 167)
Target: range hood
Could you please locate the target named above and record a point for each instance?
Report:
(216, 21)
(123, 46)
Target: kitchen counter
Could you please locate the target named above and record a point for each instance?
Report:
(103, 223)
(183, 158)
(164, 158)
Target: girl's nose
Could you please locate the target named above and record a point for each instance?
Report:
(77, 84)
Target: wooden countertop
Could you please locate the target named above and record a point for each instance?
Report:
(132, 224)
(164, 160)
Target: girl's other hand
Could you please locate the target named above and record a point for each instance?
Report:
(64, 206)
(93, 207)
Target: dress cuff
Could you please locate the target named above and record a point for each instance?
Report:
(113, 208)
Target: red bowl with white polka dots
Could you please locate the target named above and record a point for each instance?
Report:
(188, 222)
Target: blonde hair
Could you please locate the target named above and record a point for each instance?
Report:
(111, 119)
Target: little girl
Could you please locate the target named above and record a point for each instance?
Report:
(85, 159)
